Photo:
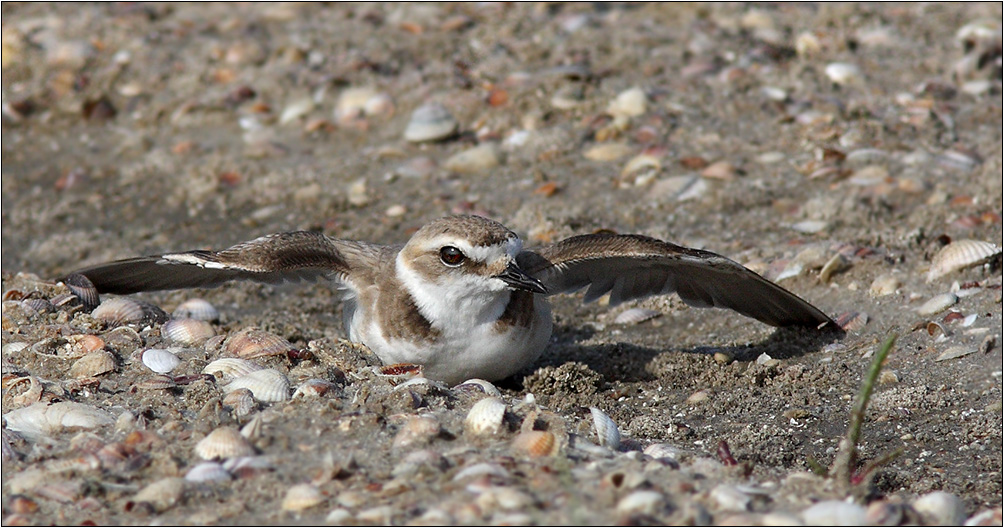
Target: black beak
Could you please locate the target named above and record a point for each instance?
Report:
(518, 279)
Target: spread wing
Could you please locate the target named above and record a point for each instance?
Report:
(282, 257)
(635, 266)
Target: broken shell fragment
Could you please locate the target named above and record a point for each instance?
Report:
(93, 364)
(314, 388)
(478, 386)
(241, 401)
(41, 419)
(158, 382)
(635, 316)
(430, 122)
(485, 417)
(938, 303)
(189, 332)
(226, 370)
(606, 429)
(160, 361)
(253, 343)
(267, 385)
(207, 472)
(959, 255)
(196, 308)
(223, 443)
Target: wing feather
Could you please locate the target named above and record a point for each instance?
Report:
(634, 266)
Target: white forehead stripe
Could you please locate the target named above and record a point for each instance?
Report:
(511, 247)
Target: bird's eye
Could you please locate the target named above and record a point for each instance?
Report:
(451, 256)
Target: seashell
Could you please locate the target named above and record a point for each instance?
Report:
(296, 109)
(481, 469)
(254, 429)
(301, 497)
(938, 303)
(157, 383)
(418, 430)
(207, 472)
(608, 151)
(267, 385)
(252, 343)
(93, 364)
(83, 344)
(834, 513)
(22, 391)
(956, 352)
(485, 417)
(629, 103)
(478, 386)
(730, 498)
(843, 73)
(535, 443)
(430, 122)
(852, 321)
(84, 289)
(314, 388)
(606, 430)
(662, 451)
(223, 443)
(883, 513)
(641, 162)
(838, 263)
(351, 104)
(226, 370)
(196, 308)
(38, 306)
(645, 502)
(188, 332)
(400, 370)
(381, 105)
(119, 311)
(160, 361)
(246, 467)
(635, 316)
(884, 285)
(474, 160)
(241, 401)
(959, 255)
(40, 419)
(162, 494)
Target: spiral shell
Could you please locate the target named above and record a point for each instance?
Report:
(485, 417)
(959, 255)
(228, 369)
(535, 443)
(267, 385)
(93, 364)
(252, 343)
(241, 401)
(119, 311)
(223, 443)
(188, 332)
(195, 308)
(160, 361)
(606, 429)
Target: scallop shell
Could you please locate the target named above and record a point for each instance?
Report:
(160, 361)
(223, 443)
(267, 385)
(119, 311)
(189, 332)
(535, 443)
(606, 429)
(959, 255)
(241, 401)
(41, 419)
(228, 369)
(301, 497)
(39, 306)
(636, 315)
(207, 472)
(84, 289)
(485, 417)
(196, 308)
(93, 364)
(478, 386)
(252, 343)
(430, 122)
(314, 388)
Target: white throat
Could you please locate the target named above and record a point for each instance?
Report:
(457, 304)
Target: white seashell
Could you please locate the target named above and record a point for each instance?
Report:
(254, 429)
(267, 385)
(969, 320)
(473, 160)
(228, 369)
(833, 266)
(160, 361)
(296, 109)
(223, 443)
(937, 304)
(380, 104)
(606, 430)
(196, 308)
(430, 122)
(629, 103)
(241, 401)
(645, 502)
(339, 517)
(162, 494)
(478, 386)
(834, 513)
(959, 255)
(730, 498)
(207, 472)
(119, 311)
(636, 316)
(301, 497)
(641, 162)
(485, 417)
(660, 451)
(315, 388)
(251, 343)
(810, 226)
(843, 73)
(243, 467)
(93, 364)
(23, 391)
(884, 285)
(41, 419)
(481, 469)
(608, 151)
(189, 332)
(955, 353)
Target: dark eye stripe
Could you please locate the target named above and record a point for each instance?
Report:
(451, 256)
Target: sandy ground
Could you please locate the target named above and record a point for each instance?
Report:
(786, 137)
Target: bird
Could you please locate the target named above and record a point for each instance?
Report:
(463, 298)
